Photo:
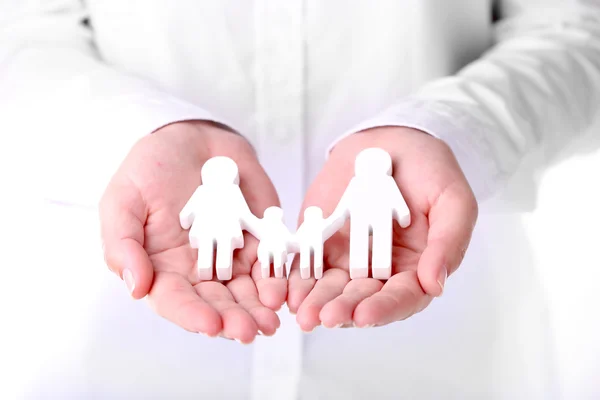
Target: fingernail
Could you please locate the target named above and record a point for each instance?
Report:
(129, 280)
(443, 275)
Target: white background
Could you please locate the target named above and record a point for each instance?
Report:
(54, 281)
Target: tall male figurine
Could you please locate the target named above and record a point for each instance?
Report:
(217, 213)
(372, 201)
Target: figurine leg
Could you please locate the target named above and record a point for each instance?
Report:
(264, 257)
(318, 260)
(204, 264)
(305, 255)
(224, 260)
(381, 263)
(359, 249)
(279, 259)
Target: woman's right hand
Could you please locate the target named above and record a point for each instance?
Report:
(145, 245)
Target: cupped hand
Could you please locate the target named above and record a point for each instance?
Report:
(443, 215)
(145, 245)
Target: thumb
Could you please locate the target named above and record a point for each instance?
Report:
(122, 219)
(451, 223)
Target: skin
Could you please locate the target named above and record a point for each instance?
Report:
(443, 212)
(147, 248)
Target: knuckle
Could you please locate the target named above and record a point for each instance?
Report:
(474, 208)
(110, 262)
(462, 254)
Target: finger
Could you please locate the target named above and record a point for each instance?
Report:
(335, 253)
(246, 295)
(260, 194)
(339, 311)
(173, 298)
(325, 193)
(326, 289)
(399, 298)
(122, 219)
(298, 288)
(451, 223)
(238, 324)
(272, 291)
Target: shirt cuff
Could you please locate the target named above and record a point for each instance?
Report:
(147, 115)
(81, 172)
(464, 134)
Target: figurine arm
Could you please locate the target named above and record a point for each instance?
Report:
(400, 210)
(253, 224)
(186, 216)
(338, 217)
(250, 222)
(334, 223)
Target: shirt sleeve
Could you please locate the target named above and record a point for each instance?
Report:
(539, 84)
(69, 118)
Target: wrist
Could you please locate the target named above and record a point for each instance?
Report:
(383, 137)
(209, 139)
(188, 135)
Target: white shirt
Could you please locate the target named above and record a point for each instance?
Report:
(293, 77)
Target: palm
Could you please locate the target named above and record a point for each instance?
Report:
(158, 178)
(335, 300)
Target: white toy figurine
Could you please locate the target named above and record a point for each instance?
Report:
(275, 242)
(372, 201)
(217, 213)
(310, 237)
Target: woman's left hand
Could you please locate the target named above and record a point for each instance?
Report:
(443, 215)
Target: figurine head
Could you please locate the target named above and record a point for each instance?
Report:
(373, 162)
(313, 213)
(220, 170)
(273, 213)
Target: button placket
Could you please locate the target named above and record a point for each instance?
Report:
(279, 94)
(279, 69)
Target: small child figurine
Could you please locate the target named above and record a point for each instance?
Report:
(275, 242)
(310, 239)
